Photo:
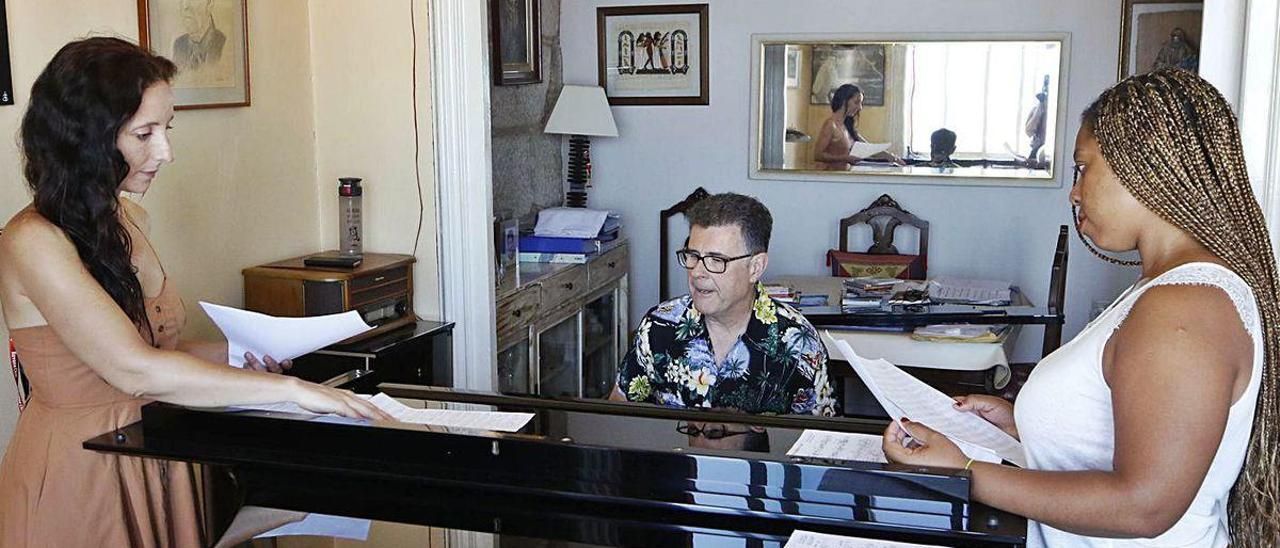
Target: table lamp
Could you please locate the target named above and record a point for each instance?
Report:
(581, 112)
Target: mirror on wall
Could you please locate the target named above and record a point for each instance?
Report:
(952, 111)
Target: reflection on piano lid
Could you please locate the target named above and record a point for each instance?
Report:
(557, 488)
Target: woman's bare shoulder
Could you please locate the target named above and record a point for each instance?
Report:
(29, 233)
(137, 213)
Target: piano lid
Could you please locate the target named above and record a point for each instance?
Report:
(568, 467)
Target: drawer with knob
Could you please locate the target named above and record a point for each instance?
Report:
(608, 267)
(563, 286)
(517, 311)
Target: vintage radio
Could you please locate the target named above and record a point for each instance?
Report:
(380, 288)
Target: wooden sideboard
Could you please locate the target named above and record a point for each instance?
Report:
(562, 329)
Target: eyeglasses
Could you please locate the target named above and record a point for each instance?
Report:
(714, 264)
(1076, 171)
(710, 431)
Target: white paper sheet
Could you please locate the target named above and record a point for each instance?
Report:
(838, 445)
(570, 222)
(451, 418)
(806, 539)
(903, 395)
(994, 292)
(280, 338)
(323, 525)
(862, 149)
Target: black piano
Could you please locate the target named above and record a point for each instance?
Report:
(587, 472)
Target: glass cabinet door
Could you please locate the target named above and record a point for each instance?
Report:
(513, 367)
(559, 351)
(600, 345)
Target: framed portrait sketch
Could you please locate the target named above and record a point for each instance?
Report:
(653, 55)
(1159, 33)
(793, 67)
(515, 42)
(208, 40)
(858, 64)
(6, 72)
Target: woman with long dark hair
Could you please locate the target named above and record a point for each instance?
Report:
(96, 321)
(1157, 424)
(833, 149)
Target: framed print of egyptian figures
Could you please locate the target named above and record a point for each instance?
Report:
(653, 55)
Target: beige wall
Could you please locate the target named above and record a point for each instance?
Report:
(256, 184)
(362, 56)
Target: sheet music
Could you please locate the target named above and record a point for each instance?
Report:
(324, 525)
(807, 539)
(970, 291)
(904, 395)
(838, 445)
(863, 149)
(471, 420)
(280, 338)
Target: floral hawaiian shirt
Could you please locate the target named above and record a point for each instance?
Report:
(777, 366)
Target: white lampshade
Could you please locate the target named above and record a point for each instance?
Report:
(582, 110)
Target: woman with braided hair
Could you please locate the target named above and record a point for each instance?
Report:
(1156, 425)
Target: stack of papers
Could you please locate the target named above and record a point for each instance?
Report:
(961, 333)
(575, 222)
(838, 445)
(468, 420)
(903, 395)
(964, 291)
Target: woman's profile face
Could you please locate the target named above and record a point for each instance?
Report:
(854, 105)
(1106, 212)
(144, 138)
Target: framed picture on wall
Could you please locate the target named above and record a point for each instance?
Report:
(858, 64)
(6, 74)
(793, 67)
(515, 42)
(208, 40)
(1159, 33)
(653, 55)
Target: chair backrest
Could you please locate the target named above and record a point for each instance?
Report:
(19, 377)
(664, 246)
(884, 216)
(1057, 293)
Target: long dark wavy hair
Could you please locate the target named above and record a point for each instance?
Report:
(78, 105)
(838, 99)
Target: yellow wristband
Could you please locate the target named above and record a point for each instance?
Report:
(968, 464)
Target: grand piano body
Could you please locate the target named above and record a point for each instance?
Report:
(597, 473)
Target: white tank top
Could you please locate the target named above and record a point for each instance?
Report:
(1081, 436)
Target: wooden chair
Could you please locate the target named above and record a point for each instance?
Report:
(1057, 293)
(664, 246)
(884, 216)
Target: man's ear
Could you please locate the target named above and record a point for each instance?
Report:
(759, 263)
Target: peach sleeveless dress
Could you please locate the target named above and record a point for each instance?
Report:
(53, 492)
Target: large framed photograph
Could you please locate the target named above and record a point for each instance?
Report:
(6, 73)
(858, 64)
(1159, 33)
(653, 55)
(516, 42)
(208, 40)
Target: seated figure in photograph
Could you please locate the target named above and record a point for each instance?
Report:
(727, 345)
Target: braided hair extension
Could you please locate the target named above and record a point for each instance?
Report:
(1173, 142)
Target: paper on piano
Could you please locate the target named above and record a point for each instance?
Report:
(863, 149)
(838, 445)
(903, 395)
(280, 338)
(806, 539)
(323, 525)
(451, 418)
(959, 290)
(570, 222)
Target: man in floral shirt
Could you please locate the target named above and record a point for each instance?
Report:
(727, 344)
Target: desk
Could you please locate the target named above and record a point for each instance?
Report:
(961, 367)
(578, 480)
